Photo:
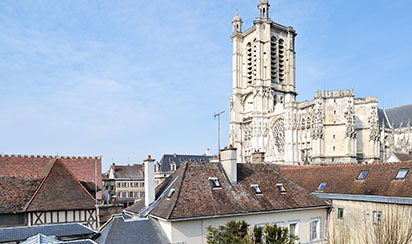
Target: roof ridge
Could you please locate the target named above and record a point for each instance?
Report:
(180, 188)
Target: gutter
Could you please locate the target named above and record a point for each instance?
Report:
(365, 198)
(240, 214)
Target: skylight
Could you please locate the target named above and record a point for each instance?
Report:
(215, 182)
(256, 188)
(401, 174)
(363, 174)
(170, 194)
(322, 186)
(281, 188)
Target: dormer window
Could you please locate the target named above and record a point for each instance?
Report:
(363, 174)
(256, 188)
(401, 174)
(322, 186)
(281, 188)
(170, 194)
(173, 166)
(215, 182)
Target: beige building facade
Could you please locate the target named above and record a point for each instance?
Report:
(335, 127)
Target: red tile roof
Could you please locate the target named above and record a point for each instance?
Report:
(403, 156)
(58, 189)
(15, 193)
(83, 168)
(342, 179)
(195, 197)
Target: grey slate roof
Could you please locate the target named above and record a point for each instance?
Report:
(58, 230)
(136, 231)
(399, 116)
(167, 159)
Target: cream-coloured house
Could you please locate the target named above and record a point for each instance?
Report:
(335, 127)
(199, 195)
(370, 201)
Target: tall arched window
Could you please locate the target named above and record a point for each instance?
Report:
(249, 70)
(281, 61)
(254, 59)
(273, 55)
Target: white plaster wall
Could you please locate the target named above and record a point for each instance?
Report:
(194, 231)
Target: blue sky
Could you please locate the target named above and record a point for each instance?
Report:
(124, 79)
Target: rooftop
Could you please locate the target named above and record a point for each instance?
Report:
(380, 180)
(196, 196)
(59, 230)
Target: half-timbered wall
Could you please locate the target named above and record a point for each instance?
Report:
(86, 217)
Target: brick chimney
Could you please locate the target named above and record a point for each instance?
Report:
(149, 181)
(229, 163)
(258, 157)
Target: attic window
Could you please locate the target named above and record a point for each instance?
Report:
(256, 188)
(401, 174)
(170, 194)
(363, 174)
(215, 182)
(322, 186)
(281, 188)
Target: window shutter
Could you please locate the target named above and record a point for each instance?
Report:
(311, 230)
(321, 231)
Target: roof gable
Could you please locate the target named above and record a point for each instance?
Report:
(60, 190)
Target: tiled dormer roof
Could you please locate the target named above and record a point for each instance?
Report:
(195, 197)
(343, 179)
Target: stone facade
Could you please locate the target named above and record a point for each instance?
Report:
(335, 127)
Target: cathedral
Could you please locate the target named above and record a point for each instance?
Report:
(266, 121)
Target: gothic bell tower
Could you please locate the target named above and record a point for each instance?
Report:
(263, 79)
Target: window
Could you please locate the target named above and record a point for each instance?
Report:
(173, 166)
(279, 224)
(125, 195)
(315, 230)
(256, 188)
(142, 184)
(334, 148)
(293, 228)
(131, 195)
(322, 186)
(119, 184)
(281, 188)
(401, 174)
(340, 213)
(377, 217)
(363, 174)
(124, 184)
(119, 195)
(215, 182)
(170, 194)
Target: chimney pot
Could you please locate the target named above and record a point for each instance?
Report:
(149, 157)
